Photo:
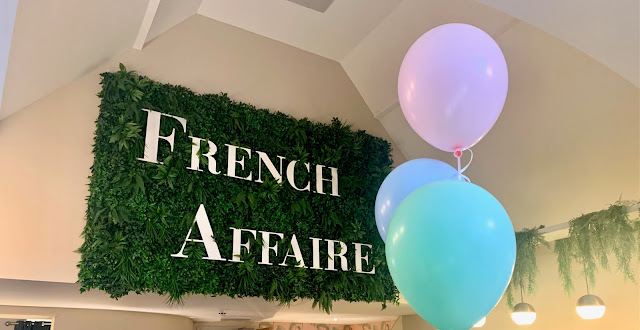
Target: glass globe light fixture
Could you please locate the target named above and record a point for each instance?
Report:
(480, 323)
(523, 314)
(590, 307)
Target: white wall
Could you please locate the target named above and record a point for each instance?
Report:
(83, 319)
(399, 325)
(56, 42)
(7, 19)
(46, 148)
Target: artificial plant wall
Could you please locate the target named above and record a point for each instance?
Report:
(139, 213)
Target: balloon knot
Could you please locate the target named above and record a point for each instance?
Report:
(458, 154)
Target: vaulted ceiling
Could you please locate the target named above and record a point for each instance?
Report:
(78, 35)
(608, 31)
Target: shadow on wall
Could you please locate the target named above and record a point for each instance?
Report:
(309, 326)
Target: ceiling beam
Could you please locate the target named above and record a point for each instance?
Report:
(149, 15)
(8, 10)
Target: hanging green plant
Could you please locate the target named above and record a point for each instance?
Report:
(526, 267)
(592, 239)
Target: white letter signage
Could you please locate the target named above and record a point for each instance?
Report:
(153, 134)
(237, 158)
(270, 247)
(204, 226)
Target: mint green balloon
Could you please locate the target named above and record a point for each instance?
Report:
(451, 250)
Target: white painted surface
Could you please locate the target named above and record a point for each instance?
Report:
(199, 308)
(145, 26)
(170, 13)
(331, 34)
(7, 19)
(607, 30)
(317, 5)
(56, 42)
(83, 319)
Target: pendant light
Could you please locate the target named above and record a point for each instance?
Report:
(590, 307)
(480, 323)
(523, 313)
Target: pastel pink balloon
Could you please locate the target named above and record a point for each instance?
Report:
(452, 86)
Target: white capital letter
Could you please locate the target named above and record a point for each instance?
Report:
(316, 252)
(332, 255)
(359, 259)
(238, 245)
(153, 135)
(291, 168)
(264, 158)
(320, 179)
(296, 253)
(202, 221)
(233, 160)
(266, 246)
(195, 160)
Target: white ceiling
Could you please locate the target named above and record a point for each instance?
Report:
(170, 13)
(385, 46)
(331, 34)
(608, 31)
(78, 35)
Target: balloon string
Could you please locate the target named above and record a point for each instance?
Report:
(458, 154)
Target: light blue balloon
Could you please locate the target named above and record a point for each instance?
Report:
(451, 250)
(404, 180)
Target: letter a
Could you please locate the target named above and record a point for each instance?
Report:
(204, 226)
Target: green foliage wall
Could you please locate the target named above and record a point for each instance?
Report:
(138, 213)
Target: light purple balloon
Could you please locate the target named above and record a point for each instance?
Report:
(452, 86)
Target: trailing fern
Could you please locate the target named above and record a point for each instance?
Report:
(593, 238)
(526, 266)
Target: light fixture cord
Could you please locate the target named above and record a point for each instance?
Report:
(521, 299)
(586, 279)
